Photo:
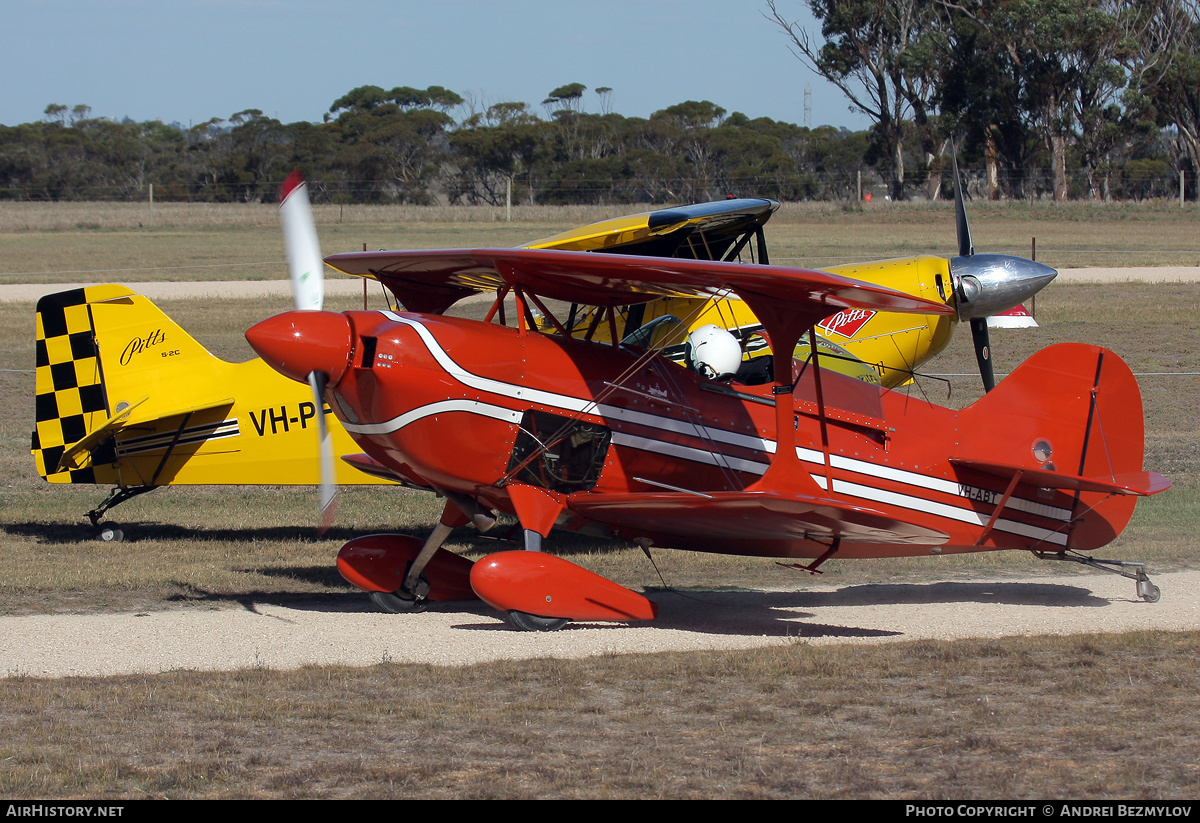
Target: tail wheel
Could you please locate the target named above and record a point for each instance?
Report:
(111, 534)
(534, 623)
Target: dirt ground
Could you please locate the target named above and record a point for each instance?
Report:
(274, 637)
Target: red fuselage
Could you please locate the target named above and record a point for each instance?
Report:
(638, 447)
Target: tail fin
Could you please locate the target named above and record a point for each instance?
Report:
(70, 398)
(1069, 419)
(100, 352)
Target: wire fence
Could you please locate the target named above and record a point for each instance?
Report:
(1117, 184)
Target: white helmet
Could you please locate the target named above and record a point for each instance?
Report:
(713, 352)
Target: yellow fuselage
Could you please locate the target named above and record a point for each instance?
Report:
(886, 347)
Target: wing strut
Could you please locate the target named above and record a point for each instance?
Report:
(812, 568)
(170, 448)
(785, 324)
(498, 305)
(814, 361)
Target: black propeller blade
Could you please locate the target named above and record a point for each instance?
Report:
(966, 246)
(966, 249)
(983, 351)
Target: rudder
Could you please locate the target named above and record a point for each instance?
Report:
(70, 400)
(1071, 417)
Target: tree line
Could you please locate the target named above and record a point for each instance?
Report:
(1038, 98)
(379, 146)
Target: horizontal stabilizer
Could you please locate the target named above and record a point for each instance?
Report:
(1140, 483)
(748, 517)
(147, 417)
(109, 427)
(123, 419)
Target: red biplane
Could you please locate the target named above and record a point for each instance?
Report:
(520, 417)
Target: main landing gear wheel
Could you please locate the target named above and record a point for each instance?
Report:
(396, 603)
(534, 623)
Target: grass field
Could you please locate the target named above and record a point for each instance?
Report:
(74, 242)
(1085, 717)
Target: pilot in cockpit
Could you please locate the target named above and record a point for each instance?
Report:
(713, 353)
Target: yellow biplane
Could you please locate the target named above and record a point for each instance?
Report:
(125, 397)
(879, 347)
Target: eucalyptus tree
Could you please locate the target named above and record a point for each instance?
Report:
(1066, 58)
(1166, 88)
(681, 137)
(494, 149)
(564, 105)
(882, 54)
(72, 156)
(567, 97)
(752, 160)
(391, 144)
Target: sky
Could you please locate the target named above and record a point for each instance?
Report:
(186, 61)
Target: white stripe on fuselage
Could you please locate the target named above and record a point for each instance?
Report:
(400, 421)
(193, 434)
(576, 404)
(922, 504)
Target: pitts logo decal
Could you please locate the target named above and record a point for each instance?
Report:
(280, 420)
(139, 344)
(847, 322)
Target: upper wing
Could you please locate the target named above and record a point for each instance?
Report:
(702, 230)
(432, 281)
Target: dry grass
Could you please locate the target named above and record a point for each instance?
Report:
(57, 217)
(1082, 717)
(1097, 717)
(101, 242)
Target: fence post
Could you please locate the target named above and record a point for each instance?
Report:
(1033, 257)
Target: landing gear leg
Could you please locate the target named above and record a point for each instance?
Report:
(412, 594)
(479, 517)
(1126, 568)
(110, 533)
(414, 590)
